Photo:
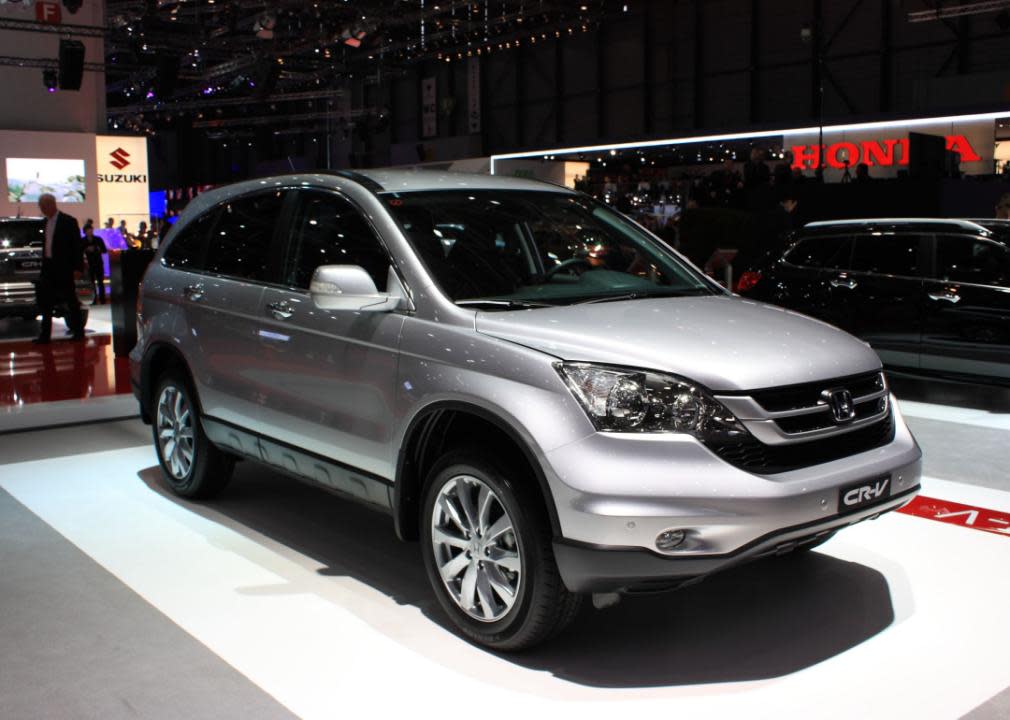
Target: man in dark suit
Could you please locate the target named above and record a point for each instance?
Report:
(62, 264)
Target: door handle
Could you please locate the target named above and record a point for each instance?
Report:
(280, 310)
(843, 282)
(193, 292)
(946, 297)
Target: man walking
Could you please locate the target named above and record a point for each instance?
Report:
(62, 264)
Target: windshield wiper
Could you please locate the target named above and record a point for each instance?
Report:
(641, 296)
(504, 304)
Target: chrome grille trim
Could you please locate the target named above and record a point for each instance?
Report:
(763, 424)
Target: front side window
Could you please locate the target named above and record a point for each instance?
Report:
(972, 260)
(887, 254)
(240, 242)
(329, 230)
(536, 248)
(827, 253)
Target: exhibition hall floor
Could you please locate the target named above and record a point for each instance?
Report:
(279, 600)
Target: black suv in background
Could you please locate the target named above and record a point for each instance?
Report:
(929, 295)
(21, 244)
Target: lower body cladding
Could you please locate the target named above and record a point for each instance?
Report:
(652, 512)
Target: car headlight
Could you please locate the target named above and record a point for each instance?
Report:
(620, 400)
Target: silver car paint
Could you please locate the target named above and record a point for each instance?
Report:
(608, 489)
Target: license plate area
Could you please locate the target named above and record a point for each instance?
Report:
(858, 495)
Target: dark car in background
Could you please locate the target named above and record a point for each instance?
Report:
(21, 245)
(929, 295)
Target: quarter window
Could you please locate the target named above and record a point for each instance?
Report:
(829, 253)
(240, 243)
(886, 254)
(972, 260)
(329, 230)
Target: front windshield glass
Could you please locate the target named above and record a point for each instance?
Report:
(529, 249)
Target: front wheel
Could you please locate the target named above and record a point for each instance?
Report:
(486, 543)
(191, 465)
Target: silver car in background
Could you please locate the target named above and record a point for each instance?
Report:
(547, 397)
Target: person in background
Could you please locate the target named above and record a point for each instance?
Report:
(109, 224)
(863, 173)
(94, 248)
(89, 223)
(755, 171)
(1003, 207)
(143, 238)
(62, 265)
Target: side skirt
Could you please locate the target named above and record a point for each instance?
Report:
(344, 480)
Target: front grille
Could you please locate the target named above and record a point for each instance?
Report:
(821, 420)
(748, 453)
(794, 397)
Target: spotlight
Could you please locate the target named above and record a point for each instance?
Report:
(50, 79)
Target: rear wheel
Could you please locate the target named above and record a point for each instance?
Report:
(487, 548)
(191, 465)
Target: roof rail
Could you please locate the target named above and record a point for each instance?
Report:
(357, 177)
(956, 222)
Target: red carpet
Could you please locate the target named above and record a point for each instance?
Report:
(61, 370)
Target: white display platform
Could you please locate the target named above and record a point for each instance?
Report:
(315, 601)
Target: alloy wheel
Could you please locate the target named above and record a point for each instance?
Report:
(476, 548)
(175, 432)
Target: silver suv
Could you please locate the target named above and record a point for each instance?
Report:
(550, 399)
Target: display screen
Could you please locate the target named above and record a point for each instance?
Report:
(28, 178)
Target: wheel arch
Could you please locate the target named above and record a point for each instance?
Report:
(158, 358)
(425, 441)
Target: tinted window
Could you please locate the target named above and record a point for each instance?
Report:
(972, 260)
(329, 230)
(186, 249)
(886, 254)
(821, 252)
(240, 243)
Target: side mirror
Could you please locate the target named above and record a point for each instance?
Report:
(349, 287)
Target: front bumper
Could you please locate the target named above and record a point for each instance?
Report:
(589, 568)
(616, 493)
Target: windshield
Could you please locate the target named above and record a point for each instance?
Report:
(21, 234)
(530, 249)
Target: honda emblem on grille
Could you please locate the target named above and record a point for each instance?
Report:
(840, 402)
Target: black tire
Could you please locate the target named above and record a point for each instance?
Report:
(210, 468)
(543, 605)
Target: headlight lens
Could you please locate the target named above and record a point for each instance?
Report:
(619, 400)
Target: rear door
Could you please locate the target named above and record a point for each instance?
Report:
(223, 302)
(330, 375)
(883, 294)
(967, 301)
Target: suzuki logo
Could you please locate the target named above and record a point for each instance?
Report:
(119, 160)
(865, 493)
(840, 402)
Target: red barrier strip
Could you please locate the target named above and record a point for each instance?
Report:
(976, 518)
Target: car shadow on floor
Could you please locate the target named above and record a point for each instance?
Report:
(762, 620)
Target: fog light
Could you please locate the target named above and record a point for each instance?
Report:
(669, 539)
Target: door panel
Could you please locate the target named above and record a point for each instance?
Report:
(882, 295)
(330, 374)
(801, 281)
(967, 326)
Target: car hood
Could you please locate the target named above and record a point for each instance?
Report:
(725, 343)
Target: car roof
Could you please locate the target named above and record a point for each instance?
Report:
(420, 180)
(21, 219)
(923, 224)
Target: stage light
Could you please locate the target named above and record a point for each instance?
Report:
(50, 79)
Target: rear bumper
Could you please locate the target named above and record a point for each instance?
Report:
(587, 568)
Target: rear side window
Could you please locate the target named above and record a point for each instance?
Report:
(185, 252)
(240, 243)
(972, 260)
(830, 253)
(886, 254)
(329, 230)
